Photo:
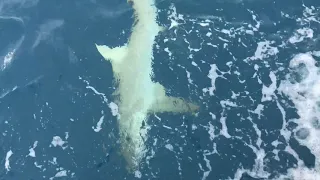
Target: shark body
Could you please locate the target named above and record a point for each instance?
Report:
(137, 95)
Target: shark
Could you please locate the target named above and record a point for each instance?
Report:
(137, 95)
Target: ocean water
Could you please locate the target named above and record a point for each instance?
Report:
(252, 65)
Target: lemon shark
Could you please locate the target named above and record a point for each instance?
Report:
(136, 95)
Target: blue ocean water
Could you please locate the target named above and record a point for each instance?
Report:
(229, 56)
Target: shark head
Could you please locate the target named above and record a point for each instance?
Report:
(138, 95)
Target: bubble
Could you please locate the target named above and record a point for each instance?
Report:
(302, 133)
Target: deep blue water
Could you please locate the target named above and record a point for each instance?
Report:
(57, 58)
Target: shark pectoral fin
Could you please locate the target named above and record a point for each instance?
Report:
(114, 55)
(166, 103)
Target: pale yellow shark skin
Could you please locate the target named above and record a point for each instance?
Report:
(137, 95)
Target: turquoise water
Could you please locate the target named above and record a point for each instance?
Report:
(232, 57)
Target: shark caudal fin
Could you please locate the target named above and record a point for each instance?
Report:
(166, 103)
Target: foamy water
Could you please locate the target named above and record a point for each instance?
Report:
(256, 78)
(304, 92)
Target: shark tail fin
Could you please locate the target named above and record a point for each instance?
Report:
(166, 103)
(114, 55)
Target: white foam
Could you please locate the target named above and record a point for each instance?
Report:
(224, 40)
(168, 51)
(54, 161)
(213, 45)
(264, 50)
(301, 34)
(189, 78)
(268, 92)
(309, 15)
(169, 147)
(167, 127)
(258, 110)
(213, 75)
(304, 92)
(7, 163)
(254, 17)
(208, 165)
(211, 131)
(61, 173)
(105, 100)
(249, 32)
(7, 59)
(8, 92)
(67, 135)
(316, 53)
(203, 24)
(224, 129)
(173, 17)
(137, 174)
(225, 31)
(234, 95)
(99, 123)
(32, 152)
(114, 109)
(227, 103)
(37, 165)
(57, 141)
